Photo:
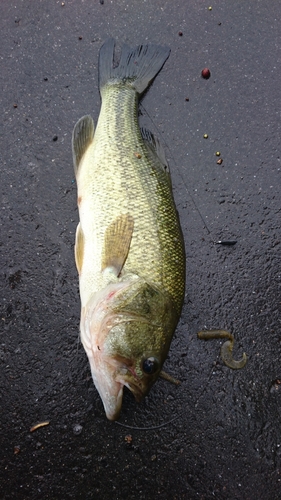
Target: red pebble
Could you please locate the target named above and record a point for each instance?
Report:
(206, 73)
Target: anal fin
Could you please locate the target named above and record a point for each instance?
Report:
(117, 240)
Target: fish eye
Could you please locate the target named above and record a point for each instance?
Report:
(150, 365)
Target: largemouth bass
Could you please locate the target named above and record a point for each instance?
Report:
(129, 249)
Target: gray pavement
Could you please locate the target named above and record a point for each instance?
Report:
(222, 437)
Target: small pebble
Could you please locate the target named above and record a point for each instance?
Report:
(80, 37)
(220, 160)
(16, 450)
(77, 429)
(180, 33)
(205, 136)
(210, 8)
(55, 138)
(206, 73)
(15, 105)
(187, 99)
(218, 153)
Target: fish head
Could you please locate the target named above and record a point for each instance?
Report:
(127, 334)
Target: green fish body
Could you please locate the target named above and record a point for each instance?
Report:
(129, 249)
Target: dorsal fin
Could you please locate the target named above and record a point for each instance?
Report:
(82, 136)
(117, 240)
(157, 149)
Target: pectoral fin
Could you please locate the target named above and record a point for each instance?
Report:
(82, 136)
(79, 248)
(117, 242)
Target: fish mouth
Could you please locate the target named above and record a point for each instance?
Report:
(110, 376)
(113, 404)
(136, 392)
(133, 386)
(111, 393)
(110, 388)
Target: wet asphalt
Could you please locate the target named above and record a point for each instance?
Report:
(221, 436)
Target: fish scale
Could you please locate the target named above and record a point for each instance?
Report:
(123, 183)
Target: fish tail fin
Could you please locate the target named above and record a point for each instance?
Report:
(137, 67)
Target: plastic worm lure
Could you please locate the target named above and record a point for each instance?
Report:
(226, 348)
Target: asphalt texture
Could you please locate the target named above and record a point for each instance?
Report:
(218, 434)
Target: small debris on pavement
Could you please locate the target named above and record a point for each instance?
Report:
(206, 73)
(226, 242)
(77, 429)
(37, 426)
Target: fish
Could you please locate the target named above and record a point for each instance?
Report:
(129, 248)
